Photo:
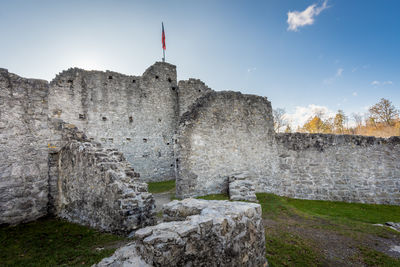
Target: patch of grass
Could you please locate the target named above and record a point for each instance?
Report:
(53, 242)
(273, 205)
(160, 187)
(374, 258)
(369, 213)
(215, 197)
(286, 249)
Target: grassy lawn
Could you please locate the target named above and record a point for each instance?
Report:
(160, 187)
(298, 233)
(54, 242)
(313, 233)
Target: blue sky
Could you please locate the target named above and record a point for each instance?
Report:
(335, 54)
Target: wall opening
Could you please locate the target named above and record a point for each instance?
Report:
(130, 119)
(104, 118)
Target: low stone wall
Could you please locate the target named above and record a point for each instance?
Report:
(198, 233)
(23, 148)
(98, 188)
(337, 167)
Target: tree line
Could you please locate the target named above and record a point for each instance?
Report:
(382, 119)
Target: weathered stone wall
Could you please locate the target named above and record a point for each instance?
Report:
(224, 134)
(198, 233)
(97, 187)
(229, 134)
(189, 92)
(136, 114)
(23, 148)
(337, 167)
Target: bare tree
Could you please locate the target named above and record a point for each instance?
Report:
(384, 111)
(279, 119)
(358, 118)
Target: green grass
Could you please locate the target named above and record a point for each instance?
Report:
(347, 219)
(285, 249)
(53, 242)
(160, 187)
(374, 258)
(367, 213)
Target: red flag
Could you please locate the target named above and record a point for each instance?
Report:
(163, 37)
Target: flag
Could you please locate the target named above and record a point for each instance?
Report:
(163, 37)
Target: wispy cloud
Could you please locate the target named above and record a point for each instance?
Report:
(355, 94)
(297, 19)
(251, 69)
(338, 74)
(377, 83)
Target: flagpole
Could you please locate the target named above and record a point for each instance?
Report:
(163, 41)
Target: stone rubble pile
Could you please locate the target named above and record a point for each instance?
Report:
(241, 187)
(198, 233)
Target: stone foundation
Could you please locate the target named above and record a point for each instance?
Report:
(198, 233)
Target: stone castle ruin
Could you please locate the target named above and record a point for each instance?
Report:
(83, 146)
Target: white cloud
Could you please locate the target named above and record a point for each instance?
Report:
(251, 69)
(339, 72)
(298, 19)
(302, 114)
(355, 94)
(377, 83)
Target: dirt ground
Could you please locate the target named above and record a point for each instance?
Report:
(336, 245)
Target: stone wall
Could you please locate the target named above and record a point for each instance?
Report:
(189, 92)
(229, 134)
(337, 167)
(224, 134)
(198, 233)
(23, 148)
(96, 186)
(136, 114)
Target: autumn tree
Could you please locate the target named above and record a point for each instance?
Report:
(279, 119)
(339, 121)
(314, 125)
(384, 111)
(288, 129)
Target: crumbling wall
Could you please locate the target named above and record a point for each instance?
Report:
(136, 114)
(231, 135)
(97, 187)
(189, 92)
(198, 233)
(224, 134)
(338, 167)
(23, 148)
